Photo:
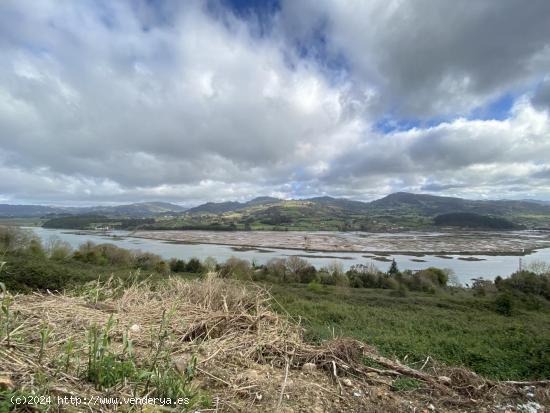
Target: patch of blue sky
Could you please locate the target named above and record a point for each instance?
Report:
(260, 14)
(260, 8)
(314, 48)
(389, 124)
(498, 109)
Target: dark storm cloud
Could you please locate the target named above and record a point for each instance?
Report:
(433, 57)
(541, 98)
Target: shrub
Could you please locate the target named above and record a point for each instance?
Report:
(452, 278)
(276, 267)
(162, 267)
(481, 287)
(112, 255)
(209, 264)
(422, 281)
(294, 265)
(364, 276)
(389, 283)
(307, 274)
(401, 291)
(438, 276)
(504, 304)
(35, 248)
(146, 260)
(14, 238)
(194, 266)
(59, 250)
(177, 265)
(539, 267)
(86, 253)
(236, 268)
(527, 282)
(326, 278)
(315, 287)
(25, 272)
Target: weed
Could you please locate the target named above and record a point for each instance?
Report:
(38, 402)
(45, 333)
(171, 383)
(68, 351)
(8, 318)
(406, 384)
(105, 368)
(315, 287)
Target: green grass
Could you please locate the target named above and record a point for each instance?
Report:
(406, 384)
(460, 330)
(22, 222)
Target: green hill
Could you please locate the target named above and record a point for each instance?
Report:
(398, 211)
(470, 220)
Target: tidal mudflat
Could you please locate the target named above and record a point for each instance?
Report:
(411, 243)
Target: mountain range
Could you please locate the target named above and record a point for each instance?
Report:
(141, 209)
(399, 210)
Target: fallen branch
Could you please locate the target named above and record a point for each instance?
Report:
(283, 386)
(524, 383)
(407, 371)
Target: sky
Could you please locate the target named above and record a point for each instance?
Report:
(162, 100)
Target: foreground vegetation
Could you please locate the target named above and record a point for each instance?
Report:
(500, 329)
(457, 329)
(209, 343)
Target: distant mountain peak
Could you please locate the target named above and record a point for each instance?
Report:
(263, 200)
(322, 198)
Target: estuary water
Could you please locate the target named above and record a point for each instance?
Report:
(487, 267)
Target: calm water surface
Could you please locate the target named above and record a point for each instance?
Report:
(489, 268)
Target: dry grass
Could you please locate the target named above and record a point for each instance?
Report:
(249, 357)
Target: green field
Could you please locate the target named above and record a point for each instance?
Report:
(22, 222)
(459, 330)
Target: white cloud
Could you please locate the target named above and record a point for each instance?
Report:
(118, 101)
(462, 157)
(430, 57)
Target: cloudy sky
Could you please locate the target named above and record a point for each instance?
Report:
(123, 101)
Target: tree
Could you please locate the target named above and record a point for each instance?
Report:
(276, 267)
(59, 250)
(36, 248)
(209, 264)
(294, 266)
(194, 266)
(13, 238)
(539, 267)
(452, 278)
(393, 271)
(236, 268)
(177, 265)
